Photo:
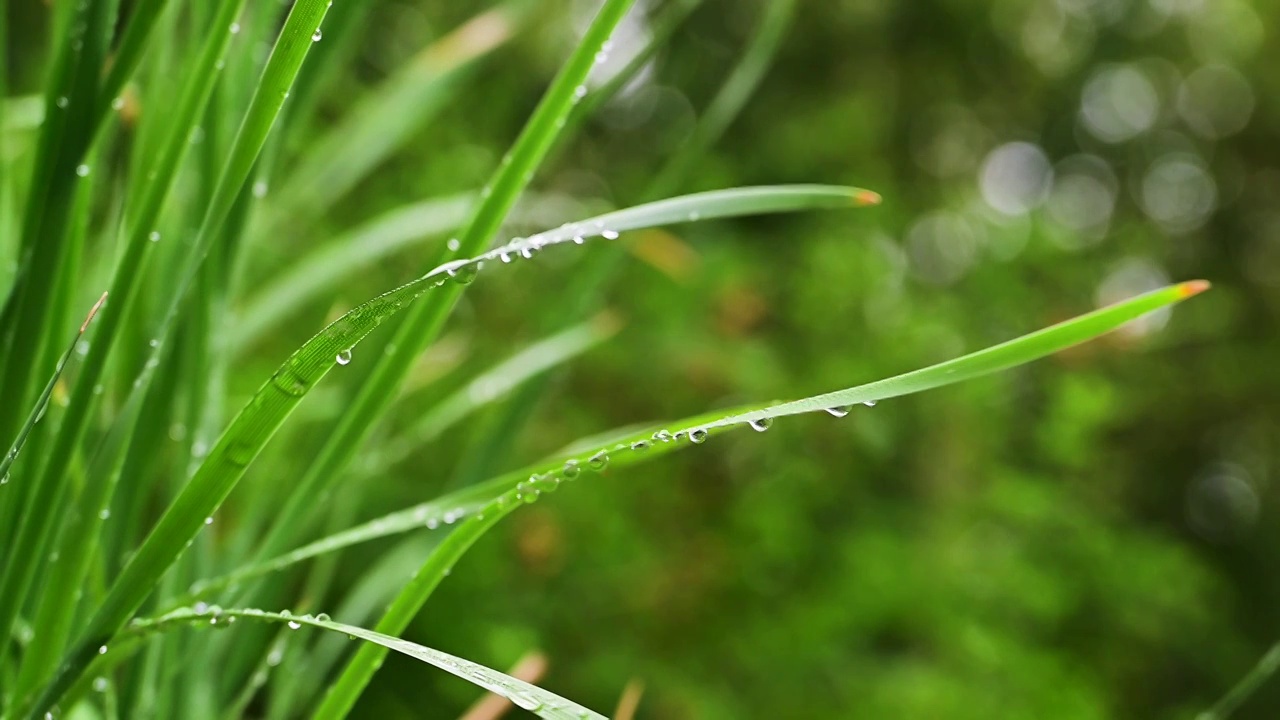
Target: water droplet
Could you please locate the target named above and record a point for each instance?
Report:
(762, 424)
(599, 461)
(697, 436)
(453, 244)
(117, 104)
(530, 496)
(601, 57)
(315, 36)
(235, 28)
(640, 445)
(695, 216)
(260, 189)
(578, 92)
(570, 470)
(323, 617)
(208, 520)
(663, 436)
(869, 403)
(609, 234)
(102, 650)
(62, 102)
(104, 513)
(838, 411)
(82, 170)
(344, 357)
(154, 236)
(294, 625)
(275, 657)
(464, 274)
(100, 684)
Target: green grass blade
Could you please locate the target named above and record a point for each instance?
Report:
(494, 384)
(695, 431)
(542, 703)
(424, 321)
(43, 402)
(383, 121)
(327, 266)
(1248, 685)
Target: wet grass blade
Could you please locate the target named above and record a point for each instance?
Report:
(43, 401)
(423, 323)
(540, 702)
(695, 431)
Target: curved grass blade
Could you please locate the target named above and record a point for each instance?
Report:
(695, 431)
(387, 117)
(540, 702)
(1248, 685)
(43, 401)
(494, 384)
(249, 432)
(323, 269)
(423, 323)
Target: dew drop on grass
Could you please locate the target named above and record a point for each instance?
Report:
(62, 102)
(578, 92)
(640, 445)
(289, 382)
(235, 28)
(102, 650)
(453, 244)
(315, 36)
(103, 514)
(100, 684)
(697, 436)
(762, 424)
(599, 461)
(154, 236)
(663, 436)
(869, 403)
(323, 617)
(82, 170)
(260, 189)
(343, 357)
(464, 274)
(570, 470)
(117, 104)
(609, 234)
(838, 411)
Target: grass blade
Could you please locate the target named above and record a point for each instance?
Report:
(43, 402)
(542, 703)
(424, 321)
(383, 121)
(695, 431)
(1267, 666)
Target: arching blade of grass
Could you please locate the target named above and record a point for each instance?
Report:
(1248, 685)
(423, 323)
(495, 383)
(582, 292)
(276, 399)
(695, 431)
(43, 401)
(542, 703)
(386, 118)
(328, 266)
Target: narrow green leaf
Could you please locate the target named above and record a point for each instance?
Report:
(540, 702)
(1267, 666)
(43, 402)
(695, 431)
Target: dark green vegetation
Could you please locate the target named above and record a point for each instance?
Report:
(370, 303)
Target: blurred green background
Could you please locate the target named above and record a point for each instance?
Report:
(1093, 536)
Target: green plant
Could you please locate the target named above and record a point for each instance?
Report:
(89, 580)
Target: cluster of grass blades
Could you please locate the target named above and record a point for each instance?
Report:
(87, 605)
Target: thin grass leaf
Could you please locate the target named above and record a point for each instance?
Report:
(423, 323)
(696, 431)
(1267, 666)
(42, 403)
(540, 702)
(382, 121)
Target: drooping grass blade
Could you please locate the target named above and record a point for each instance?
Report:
(540, 702)
(695, 431)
